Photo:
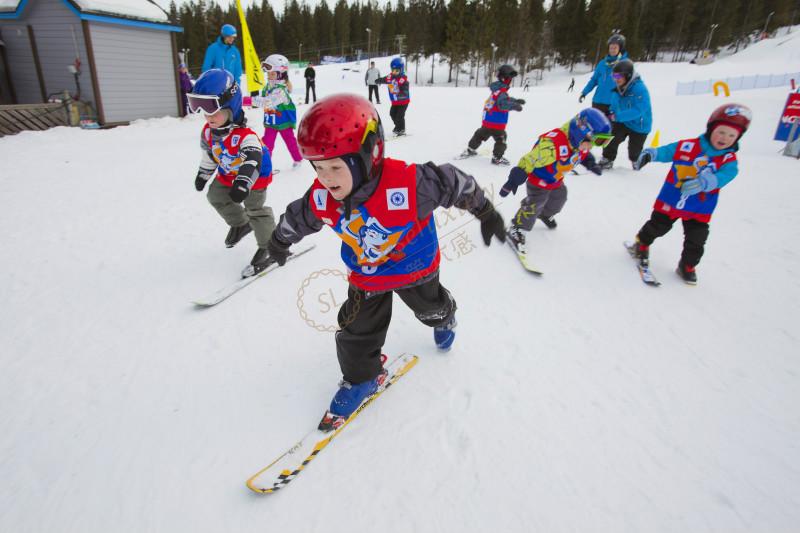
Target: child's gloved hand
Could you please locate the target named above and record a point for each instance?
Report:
(278, 250)
(491, 224)
(516, 177)
(647, 155)
(705, 181)
(240, 188)
(200, 181)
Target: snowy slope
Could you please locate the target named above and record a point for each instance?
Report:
(581, 401)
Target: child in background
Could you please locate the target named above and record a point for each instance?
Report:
(280, 114)
(701, 166)
(242, 164)
(495, 117)
(399, 95)
(555, 153)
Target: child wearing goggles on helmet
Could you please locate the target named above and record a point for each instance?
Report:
(543, 168)
(280, 113)
(382, 210)
(241, 163)
(631, 113)
(701, 166)
(399, 95)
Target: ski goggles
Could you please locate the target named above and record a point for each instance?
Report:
(618, 76)
(600, 139)
(202, 103)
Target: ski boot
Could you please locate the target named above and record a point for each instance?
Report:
(517, 238)
(641, 252)
(550, 222)
(261, 260)
(469, 152)
(236, 233)
(687, 273)
(500, 161)
(399, 133)
(606, 164)
(444, 335)
(347, 399)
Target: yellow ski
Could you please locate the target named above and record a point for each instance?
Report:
(288, 466)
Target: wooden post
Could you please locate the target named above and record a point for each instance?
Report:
(37, 64)
(98, 99)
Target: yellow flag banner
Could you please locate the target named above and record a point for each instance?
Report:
(252, 64)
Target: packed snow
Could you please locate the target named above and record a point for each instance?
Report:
(579, 401)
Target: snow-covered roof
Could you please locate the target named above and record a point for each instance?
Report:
(138, 9)
(130, 9)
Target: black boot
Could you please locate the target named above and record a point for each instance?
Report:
(236, 233)
(550, 222)
(687, 273)
(261, 260)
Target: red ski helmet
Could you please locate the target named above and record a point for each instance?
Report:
(343, 124)
(737, 116)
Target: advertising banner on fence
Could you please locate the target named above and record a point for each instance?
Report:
(791, 114)
(328, 60)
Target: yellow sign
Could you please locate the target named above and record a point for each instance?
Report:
(721, 85)
(252, 64)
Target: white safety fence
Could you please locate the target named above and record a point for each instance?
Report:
(739, 83)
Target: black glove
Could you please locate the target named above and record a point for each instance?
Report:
(278, 250)
(591, 164)
(580, 98)
(200, 182)
(239, 190)
(521, 101)
(491, 224)
(516, 177)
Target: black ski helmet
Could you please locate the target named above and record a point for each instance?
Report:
(506, 72)
(624, 67)
(617, 39)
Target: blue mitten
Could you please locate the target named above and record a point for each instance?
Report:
(705, 181)
(647, 155)
(516, 177)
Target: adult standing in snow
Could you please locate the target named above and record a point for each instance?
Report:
(223, 54)
(186, 85)
(630, 113)
(601, 81)
(571, 85)
(371, 79)
(311, 81)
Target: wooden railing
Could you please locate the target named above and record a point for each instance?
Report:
(17, 118)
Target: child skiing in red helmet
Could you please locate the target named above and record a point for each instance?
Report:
(382, 209)
(701, 166)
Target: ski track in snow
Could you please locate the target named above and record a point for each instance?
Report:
(579, 401)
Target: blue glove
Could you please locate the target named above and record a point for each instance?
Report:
(647, 155)
(704, 182)
(516, 177)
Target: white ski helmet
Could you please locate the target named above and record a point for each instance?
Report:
(276, 63)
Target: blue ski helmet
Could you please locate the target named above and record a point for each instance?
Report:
(397, 63)
(586, 125)
(228, 31)
(218, 83)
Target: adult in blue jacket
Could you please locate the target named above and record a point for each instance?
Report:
(601, 78)
(223, 54)
(631, 115)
